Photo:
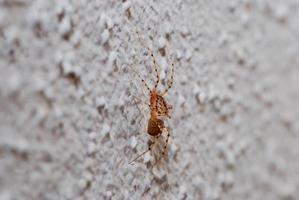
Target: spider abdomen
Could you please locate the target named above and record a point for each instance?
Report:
(155, 126)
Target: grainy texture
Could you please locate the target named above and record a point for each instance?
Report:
(70, 121)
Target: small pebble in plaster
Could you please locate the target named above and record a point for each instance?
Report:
(102, 20)
(181, 99)
(173, 149)
(167, 30)
(159, 173)
(188, 54)
(231, 82)
(112, 57)
(68, 62)
(179, 54)
(108, 194)
(76, 38)
(184, 31)
(226, 181)
(129, 177)
(126, 9)
(65, 26)
(64, 7)
(221, 148)
(11, 34)
(245, 19)
(196, 89)
(13, 82)
(58, 112)
(239, 54)
(162, 75)
(236, 121)
(133, 142)
(105, 22)
(91, 148)
(109, 23)
(92, 135)
(281, 12)
(213, 93)
(230, 159)
(90, 162)
(198, 182)
(163, 63)
(161, 42)
(105, 129)
(241, 147)
(82, 183)
(105, 36)
(202, 97)
(224, 38)
(101, 105)
(147, 157)
(126, 5)
(100, 101)
(88, 176)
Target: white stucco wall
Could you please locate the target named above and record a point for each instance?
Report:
(69, 121)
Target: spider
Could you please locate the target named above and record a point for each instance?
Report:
(159, 109)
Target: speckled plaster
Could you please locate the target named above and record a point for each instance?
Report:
(70, 121)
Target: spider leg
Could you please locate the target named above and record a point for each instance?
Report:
(142, 80)
(139, 99)
(153, 59)
(166, 142)
(164, 148)
(170, 82)
(155, 67)
(149, 148)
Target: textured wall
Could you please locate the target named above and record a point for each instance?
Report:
(70, 121)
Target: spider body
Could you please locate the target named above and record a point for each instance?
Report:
(159, 109)
(155, 126)
(158, 105)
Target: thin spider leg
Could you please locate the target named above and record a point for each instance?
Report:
(152, 57)
(166, 142)
(169, 84)
(143, 81)
(164, 148)
(149, 148)
(139, 99)
(155, 67)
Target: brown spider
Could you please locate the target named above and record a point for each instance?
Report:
(159, 109)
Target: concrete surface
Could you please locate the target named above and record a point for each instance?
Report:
(70, 121)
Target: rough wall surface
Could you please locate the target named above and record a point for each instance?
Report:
(71, 117)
